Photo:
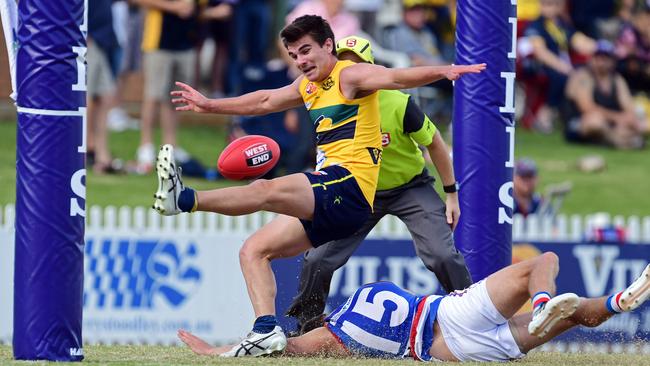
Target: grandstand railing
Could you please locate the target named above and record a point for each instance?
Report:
(560, 228)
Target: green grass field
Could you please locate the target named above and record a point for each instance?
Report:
(617, 190)
(160, 355)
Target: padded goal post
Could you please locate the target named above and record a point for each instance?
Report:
(50, 179)
(483, 133)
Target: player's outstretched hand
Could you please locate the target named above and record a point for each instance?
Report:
(455, 71)
(189, 99)
(196, 344)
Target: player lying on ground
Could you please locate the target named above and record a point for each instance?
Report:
(475, 324)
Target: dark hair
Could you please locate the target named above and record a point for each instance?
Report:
(313, 25)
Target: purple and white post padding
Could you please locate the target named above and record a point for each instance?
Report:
(484, 133)
(50, 180)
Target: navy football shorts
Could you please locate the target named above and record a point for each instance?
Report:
(340, 208)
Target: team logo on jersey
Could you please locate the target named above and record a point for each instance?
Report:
(375, 154)
(328, 83)
(385, 139)
(310, 88)
(326, 121)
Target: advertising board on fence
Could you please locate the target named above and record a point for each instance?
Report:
(590, 270)
(140, 286)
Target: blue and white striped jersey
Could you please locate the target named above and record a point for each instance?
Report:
(377, 321)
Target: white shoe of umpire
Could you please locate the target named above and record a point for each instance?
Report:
(170, 184)
(637, 293)
(558, 308)
(257, 344)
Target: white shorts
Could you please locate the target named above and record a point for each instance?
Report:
(100, 80)
(162, 68)
(473, 328)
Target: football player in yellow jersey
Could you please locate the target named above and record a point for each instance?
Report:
(404, 190)
(314, 208)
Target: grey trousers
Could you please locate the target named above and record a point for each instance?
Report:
(418, 205)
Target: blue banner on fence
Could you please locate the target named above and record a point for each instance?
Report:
(590, 270)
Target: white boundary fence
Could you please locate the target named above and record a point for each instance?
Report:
(141, 220)
(148, 275)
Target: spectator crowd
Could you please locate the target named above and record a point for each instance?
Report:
(583, 67)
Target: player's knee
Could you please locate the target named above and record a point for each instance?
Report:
(250, 251)
(262, 189)
(550, 258)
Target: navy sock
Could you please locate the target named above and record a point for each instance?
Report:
(264, 324)
(187, 200)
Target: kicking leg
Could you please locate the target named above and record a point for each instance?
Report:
(289, 195)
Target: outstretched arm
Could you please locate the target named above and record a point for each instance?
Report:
(199, 346)
(317, 342)
(256, 103)
(367, 77)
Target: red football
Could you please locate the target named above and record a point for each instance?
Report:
(248, 157)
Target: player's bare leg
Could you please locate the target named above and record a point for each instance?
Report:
(511, 287)
(591, 312)
(282, 237)
(289, 195)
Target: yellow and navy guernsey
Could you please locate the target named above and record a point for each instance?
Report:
(166, 31)
(347, 130)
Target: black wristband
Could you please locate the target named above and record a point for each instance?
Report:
(452, 188)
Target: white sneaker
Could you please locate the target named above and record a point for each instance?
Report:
(558, 308)
(257, 344)
(170, 184)
(637, 293)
